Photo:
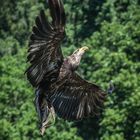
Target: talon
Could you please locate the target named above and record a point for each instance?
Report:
(48, 122)
(42, 130)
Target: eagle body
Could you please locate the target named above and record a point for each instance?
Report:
(59, 89)
(69, 65)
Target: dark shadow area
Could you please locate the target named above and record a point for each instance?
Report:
(88, 129)
(91, 14)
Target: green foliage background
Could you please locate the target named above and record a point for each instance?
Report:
(112, 30)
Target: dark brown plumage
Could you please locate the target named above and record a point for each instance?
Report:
(58, 88)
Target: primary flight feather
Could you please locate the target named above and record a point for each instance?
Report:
(59, 89)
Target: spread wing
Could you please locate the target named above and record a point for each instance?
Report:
(74, 98)
(44, 53)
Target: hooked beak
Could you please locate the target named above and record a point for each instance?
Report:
(84, 48)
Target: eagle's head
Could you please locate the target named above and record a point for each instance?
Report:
(76, 57)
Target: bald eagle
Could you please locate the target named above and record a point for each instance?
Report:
(59, 89)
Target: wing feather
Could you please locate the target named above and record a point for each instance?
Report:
(44, 53)
(76, 98)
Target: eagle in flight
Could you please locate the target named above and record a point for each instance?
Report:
(59, 89)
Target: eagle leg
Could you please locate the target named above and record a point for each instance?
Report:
(48, 122)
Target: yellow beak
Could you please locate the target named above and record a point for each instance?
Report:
(84, 48)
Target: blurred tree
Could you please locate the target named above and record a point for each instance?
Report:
(114, 55)
(112, 30)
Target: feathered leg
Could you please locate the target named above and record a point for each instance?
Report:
(45, 111)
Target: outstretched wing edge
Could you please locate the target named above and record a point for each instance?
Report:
(74, 98)
(44, 53)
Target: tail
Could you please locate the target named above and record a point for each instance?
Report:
(44, 110)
